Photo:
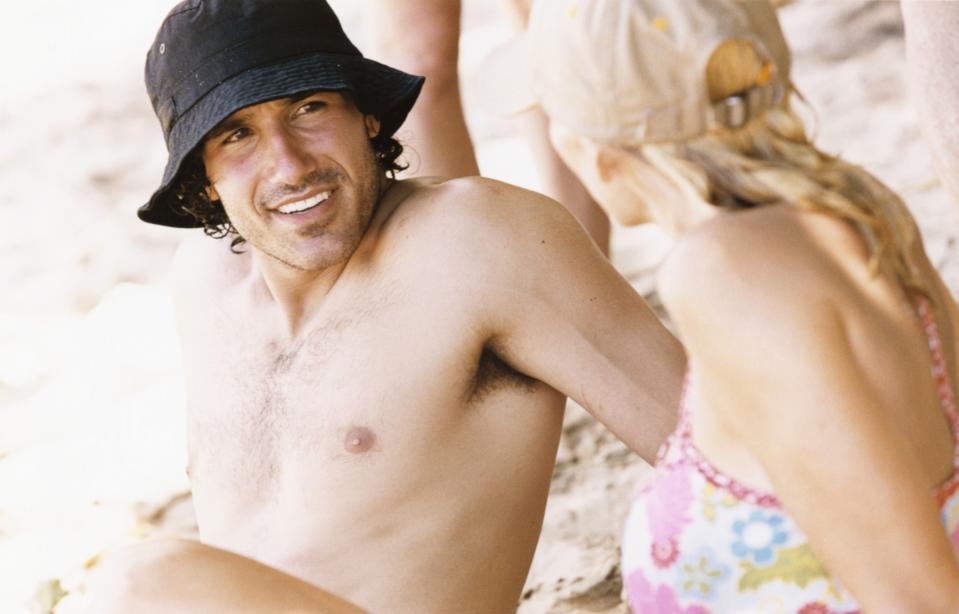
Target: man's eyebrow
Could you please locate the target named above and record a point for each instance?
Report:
(239, 119)
(227, 125)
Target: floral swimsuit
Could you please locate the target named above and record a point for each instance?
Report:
(697, 541)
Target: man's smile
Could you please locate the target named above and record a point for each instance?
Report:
(305, 204)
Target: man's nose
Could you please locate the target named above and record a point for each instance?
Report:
(289, 161)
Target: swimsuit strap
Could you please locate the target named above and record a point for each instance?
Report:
(689, 454)
(940, 370)
(682, 438)
(683, 428)
(940, 373)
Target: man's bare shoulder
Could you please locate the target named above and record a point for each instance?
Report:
(475, 213)
(471, 199)
(203, 266)
(489, 246)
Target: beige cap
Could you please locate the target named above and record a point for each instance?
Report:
(634, 71)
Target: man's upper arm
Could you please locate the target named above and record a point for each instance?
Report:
(201, 268)
(188, 269)
(557, 311)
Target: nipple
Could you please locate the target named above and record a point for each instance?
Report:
(359, 439)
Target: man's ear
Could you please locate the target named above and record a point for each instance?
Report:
(211, 192)
(372, 126)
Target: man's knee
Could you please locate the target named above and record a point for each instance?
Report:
(152, 555)
(125, 577)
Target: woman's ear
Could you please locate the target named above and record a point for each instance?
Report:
(372, 126)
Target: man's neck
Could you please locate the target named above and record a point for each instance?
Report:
(299, 293)
(296, 293)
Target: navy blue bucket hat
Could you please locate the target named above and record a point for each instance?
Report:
(214, 57)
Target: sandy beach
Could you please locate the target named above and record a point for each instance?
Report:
(92, 450)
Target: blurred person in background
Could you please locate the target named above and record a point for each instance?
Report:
(421, 37)
(932, 47)
(436, 130)
(558, 181)
(814, 468)
(376, 369)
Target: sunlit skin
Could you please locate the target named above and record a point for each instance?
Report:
(279, 152)
(626, 186)
(435, 129)
(811, 374)
(394, 445)
(374, 388)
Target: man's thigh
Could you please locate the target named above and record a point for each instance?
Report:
(176, 575)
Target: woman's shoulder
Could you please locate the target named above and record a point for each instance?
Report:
(778, 255)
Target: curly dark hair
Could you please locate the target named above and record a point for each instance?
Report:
(191, 198)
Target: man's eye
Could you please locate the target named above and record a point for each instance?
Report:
(310, 107)
(237, 135)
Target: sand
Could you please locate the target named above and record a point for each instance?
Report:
(91, 394)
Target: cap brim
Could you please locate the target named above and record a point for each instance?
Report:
(379, 90)
(503, 79)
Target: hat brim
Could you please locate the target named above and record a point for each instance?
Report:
(378, 90)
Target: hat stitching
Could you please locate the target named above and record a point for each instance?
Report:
(244, 69)
(293, 90)
(194, 7)
(159, 47)
(214, 56)
(382, 73)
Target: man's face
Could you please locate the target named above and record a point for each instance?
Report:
(297, 177)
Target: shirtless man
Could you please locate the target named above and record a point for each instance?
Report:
(376, 381)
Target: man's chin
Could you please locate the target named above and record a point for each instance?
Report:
(315, 254)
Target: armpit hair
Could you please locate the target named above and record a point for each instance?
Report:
(494, 374)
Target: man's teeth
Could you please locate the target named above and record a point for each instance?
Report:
(303, 205)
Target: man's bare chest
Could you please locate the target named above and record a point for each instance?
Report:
(356, 389)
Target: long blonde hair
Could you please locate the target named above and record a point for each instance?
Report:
(770, 159)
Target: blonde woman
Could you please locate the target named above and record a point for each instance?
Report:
(814, 466)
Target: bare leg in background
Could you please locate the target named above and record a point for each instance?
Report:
(557, 180)
(422, 37)
(436, 129)
(932, 49)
